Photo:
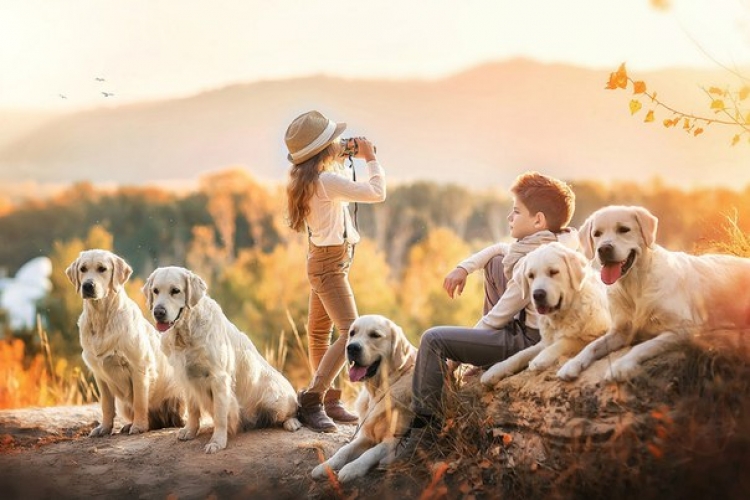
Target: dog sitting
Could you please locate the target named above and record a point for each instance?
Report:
(382, 358)
(658, 299)
(572, 306)
(217, 365)
(121, 349)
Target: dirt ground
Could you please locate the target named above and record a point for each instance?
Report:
(45, 453)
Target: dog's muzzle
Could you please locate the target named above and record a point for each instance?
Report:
(540, 302)
(357, 371)
(88, 290)
(162, 321)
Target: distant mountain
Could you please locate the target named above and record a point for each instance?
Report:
(479, 128)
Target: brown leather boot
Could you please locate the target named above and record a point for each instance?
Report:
(335, 410)
(311, 412)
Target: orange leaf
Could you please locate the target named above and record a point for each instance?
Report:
(618, 79)
(649, 116)
(744, 92)
(668, 123)
(686, 124)
(639, 87)
(635, 105)
(735, 139)
(717, 104)
(698, 131)
(507, 439)
(655, 450)
(715, 90)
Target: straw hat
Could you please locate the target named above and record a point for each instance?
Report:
(309, 134)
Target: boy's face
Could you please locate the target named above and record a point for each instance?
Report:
(522, 222)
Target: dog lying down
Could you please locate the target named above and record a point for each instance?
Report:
(218, 367)
(121, 348)
(571, 302)
(382, 358)
(657, 298)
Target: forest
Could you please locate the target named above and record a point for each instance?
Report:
(231, 231)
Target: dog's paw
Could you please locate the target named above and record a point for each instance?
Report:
(137, 429)
(538, 366)
(494, 375)
(186, 434)
(350, 472)
(213, 447)
(321, 471)
(126, 428)
(101, 431)
(570, 370)
(620, 371)
(292, 424)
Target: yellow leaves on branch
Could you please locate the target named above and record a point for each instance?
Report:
(725, 103)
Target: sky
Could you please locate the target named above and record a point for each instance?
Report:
(156, 49)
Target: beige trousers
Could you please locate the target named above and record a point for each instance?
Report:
(331, 303)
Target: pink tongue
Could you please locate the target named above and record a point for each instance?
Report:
(357, 373)
(163, 327)
(611, 272)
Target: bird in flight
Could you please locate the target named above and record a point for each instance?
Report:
(62, 96)
(99, 79)
(107, 94)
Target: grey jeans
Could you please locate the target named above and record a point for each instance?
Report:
(467, 345)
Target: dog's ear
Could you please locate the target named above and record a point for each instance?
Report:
(576, 265)
(401, 348)
(146, 289)
(72, 273)
(195, 289)
(648, 224)
(519, 276)
(121, 272)
(585, 237)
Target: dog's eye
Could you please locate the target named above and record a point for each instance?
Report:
(554, 272)
(375, 335)
(174, 291)
(531, 276)
(84, 269)
(596, 234)
(351, 332)
(623, 230)
(101, 269)
(155, 291)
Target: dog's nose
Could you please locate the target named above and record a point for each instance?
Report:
(160, 313)
(539, 295)
(353, 350)
(606, 252)
(88, 287)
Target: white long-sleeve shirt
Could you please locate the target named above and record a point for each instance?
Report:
(329, 213)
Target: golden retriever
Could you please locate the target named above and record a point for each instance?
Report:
(218, 367)
(572, 304)
(657, 298)
(383, 359)
(121, 348)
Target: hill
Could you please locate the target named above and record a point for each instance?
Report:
(479, 128)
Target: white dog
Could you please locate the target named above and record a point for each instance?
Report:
(657, 298)
(122, 348)
(572, 304)
(383, 358)
(217, 365)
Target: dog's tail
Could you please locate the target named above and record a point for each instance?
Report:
(169, 414)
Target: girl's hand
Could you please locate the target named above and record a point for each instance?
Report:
(455, 282)
(366, 149)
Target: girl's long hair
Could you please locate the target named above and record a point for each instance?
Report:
(301, 186)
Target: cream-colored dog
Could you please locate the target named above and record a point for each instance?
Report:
(572, 304)
(657, 298)
(383, 359)
(217, 365)
(122, 348)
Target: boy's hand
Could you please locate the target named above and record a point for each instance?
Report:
(455, 282)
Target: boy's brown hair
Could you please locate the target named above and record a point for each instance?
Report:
(539, 193)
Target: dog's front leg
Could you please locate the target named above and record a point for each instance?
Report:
(625, 367)
(368, 460)
(108, 410)
(609, 342)
(511, 365)
(221, 393)
(193, 421)
(141, 385)
(343, 456)
(552, 353)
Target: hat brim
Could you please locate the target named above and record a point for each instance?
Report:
(340, 127)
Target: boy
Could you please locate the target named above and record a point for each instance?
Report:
(542, 208)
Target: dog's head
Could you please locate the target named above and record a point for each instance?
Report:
(97, 273)
(171, 290)
(376, 348)
(551, 275)
(617, 236)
